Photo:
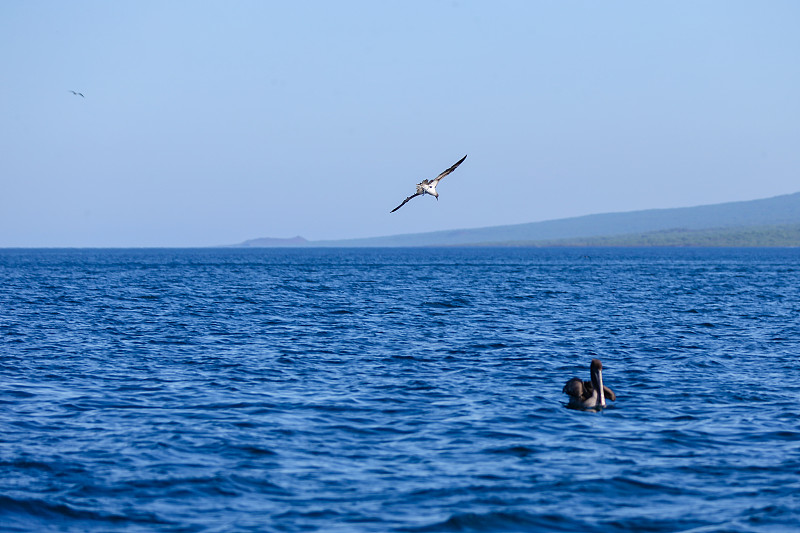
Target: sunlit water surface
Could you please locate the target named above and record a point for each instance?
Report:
(398, 390)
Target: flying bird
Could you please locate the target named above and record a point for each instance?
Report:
(77, 94)
(588, 394)
(429, 186)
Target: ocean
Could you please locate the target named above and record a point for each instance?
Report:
(412, 390)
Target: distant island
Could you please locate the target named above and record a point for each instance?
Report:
(766, 236)
(766, 222)
(274, 242)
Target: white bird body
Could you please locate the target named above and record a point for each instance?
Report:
(429, 188)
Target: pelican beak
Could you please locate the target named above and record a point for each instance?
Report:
(602, 392)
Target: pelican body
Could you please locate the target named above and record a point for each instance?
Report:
(589, 394)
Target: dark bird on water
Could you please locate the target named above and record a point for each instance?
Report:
(429, 186)
(76, 93)
(588, 394)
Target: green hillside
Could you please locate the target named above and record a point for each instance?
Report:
(765, 222)
(718, 218)
(778, 236)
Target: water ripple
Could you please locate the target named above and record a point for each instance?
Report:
(329, 390)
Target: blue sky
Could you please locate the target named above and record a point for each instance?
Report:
(209, 123)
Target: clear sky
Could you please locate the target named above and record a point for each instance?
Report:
(209, 123)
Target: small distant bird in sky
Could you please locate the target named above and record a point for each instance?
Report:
(76, 93)
(429, 186)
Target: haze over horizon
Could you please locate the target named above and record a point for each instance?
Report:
(203, 123)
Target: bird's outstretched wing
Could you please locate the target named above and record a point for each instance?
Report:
(448, 171)
(404, 201)
(609, 394)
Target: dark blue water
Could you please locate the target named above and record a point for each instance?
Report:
(398, 390)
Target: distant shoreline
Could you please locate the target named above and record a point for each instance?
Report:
(756, 223)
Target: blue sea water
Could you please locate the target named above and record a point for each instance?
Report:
(414, 390)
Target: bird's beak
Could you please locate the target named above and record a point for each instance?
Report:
(598, 382)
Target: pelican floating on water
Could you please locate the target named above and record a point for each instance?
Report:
(587, 394)
(429, 186)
